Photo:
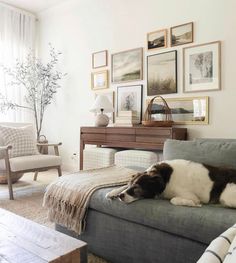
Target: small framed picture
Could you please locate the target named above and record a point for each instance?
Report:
(157, 39)
(189, 110)
(111, 96)
(99, 80)
(201, 67)
(181, 34)
(162, 73)
(99, 59)
(129, 98)
(127, 66)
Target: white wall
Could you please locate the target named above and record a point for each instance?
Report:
(80, 27)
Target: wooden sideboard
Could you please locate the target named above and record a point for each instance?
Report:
(129, 137)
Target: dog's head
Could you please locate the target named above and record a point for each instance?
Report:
(147, 184)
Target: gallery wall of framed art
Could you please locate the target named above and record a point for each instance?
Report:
(173, 63)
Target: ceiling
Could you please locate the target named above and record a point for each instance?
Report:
(33, 6)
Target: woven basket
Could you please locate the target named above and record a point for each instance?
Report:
(167, 122)
(14, 178)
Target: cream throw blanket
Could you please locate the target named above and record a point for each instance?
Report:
(68, 197)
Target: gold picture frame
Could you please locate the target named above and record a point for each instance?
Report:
(100, 59)
(208, 55)
(182, 37)
(99, 80)
(121, 72)
(185, 110)
(155, 39)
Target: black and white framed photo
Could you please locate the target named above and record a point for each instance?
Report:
(99, 59)
(162, 73)
(99, 80)
(181, 34)
(157, 39)
(202, 67)
(130, 98)
(127, 66)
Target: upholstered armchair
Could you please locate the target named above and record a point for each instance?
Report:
(26, 159)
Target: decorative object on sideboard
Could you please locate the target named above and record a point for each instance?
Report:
(202, 67)
(162, 73)
(162, 109)
(129, 98)
(99, 80)
(157, 40)
(99, 59)
(40, 84)
(127, 66)
(127, 119)
(188, 110)
(181, 34)
(111, 97)
(102, 105)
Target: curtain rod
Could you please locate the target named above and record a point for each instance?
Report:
(18, 9)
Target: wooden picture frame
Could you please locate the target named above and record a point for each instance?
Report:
(157, 40)
(182, 37)
(100, 59)
(122, 62)
(99, 80)
(123, 92)
(159, 65)
(202, 67)
(187, 110)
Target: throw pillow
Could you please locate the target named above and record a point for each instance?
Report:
(21, 139)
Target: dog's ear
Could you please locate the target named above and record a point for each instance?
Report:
(163, 169)
(158, 183)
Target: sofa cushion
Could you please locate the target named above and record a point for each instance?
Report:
(32, 162)
(216, 152)
(200, 224)
(21, 139)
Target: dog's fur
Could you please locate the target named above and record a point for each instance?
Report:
(183, 182)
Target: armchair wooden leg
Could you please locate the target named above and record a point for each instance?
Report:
(59, 171)
(35, 176)
(10, 186)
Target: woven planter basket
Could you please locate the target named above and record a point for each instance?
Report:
(14, 178)
(166, 122)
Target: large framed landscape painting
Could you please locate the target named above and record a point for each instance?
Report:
(162, 73)
(157, 39)
(127, 66)
(202, 67)
(129, 98)
(181, 34)
(189, 110)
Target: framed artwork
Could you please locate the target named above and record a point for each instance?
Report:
(130, 98)
(162, 73)
(189, 110)
(202, 67)
(111, 96)
(181, 34)
(127, 66)
(99, 80)
(157, 39)
(99, 59)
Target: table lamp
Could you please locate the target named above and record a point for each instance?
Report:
(102, 105)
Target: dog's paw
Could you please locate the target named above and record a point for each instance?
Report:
(111, 196)
(184, 202)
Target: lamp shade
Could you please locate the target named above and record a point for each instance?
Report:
(102, 103)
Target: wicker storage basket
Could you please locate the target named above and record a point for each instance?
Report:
(14, 178)
(167, 122)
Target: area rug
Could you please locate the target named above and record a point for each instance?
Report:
(28, 203)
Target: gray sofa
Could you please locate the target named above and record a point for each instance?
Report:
(154, 230)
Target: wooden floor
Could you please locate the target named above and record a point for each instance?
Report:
(23, 241)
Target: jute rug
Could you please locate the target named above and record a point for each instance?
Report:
(28, 202)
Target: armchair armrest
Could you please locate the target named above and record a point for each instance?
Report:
(5, 148)
(55, 145)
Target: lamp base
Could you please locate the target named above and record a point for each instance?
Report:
(102, 120)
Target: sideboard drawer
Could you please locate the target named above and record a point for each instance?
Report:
(93, 137)
(93, 130)
(151, 139)
(122, 138)
(153, 131)
(118, 130)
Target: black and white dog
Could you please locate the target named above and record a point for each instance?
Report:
(183, 182)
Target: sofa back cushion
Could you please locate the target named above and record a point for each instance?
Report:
(216, 152)
(21, 139)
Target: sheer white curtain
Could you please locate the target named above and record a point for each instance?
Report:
(17, 36)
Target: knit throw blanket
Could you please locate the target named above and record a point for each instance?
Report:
(68, 197)
(222, 249)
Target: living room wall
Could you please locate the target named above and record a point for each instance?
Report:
(80, 27)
